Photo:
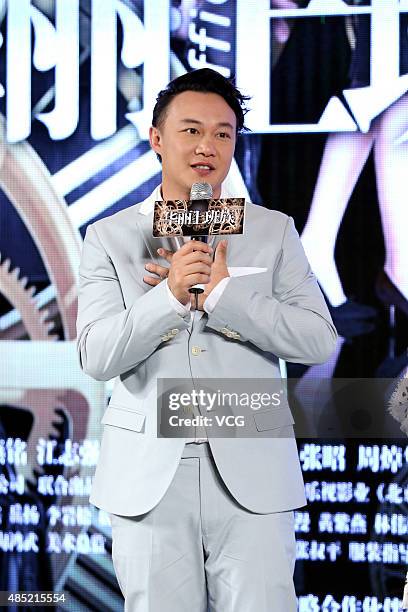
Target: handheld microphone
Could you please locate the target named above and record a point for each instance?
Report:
(199, 195)
(199, 217)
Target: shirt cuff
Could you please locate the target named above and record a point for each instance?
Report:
(213, 297)
(181, 309)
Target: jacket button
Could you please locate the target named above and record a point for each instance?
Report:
(196, 350)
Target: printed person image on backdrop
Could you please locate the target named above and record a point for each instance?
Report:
(344, 158)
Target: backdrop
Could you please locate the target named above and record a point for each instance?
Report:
(327, 144)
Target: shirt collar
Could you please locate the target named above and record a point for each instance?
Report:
(146, 207)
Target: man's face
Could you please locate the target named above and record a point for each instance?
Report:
(196, 141)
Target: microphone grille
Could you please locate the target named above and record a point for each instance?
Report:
(201, 191)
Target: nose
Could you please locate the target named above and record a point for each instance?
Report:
(205, 147)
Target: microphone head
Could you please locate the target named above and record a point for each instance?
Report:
(201, 191)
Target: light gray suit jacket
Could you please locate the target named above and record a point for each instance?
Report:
(129, 330)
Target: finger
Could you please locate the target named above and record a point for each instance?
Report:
(196, 266)
(191, 275)
(153, 282)
(161, 271)
(167, 255)
(196, 245)
(221, 252)
(196, 256)
(197, 279)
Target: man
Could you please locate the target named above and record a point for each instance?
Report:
(198, 522)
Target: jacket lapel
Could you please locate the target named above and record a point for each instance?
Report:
(145, 225)
(144, 220)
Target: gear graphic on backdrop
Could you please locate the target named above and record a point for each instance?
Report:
(20, 296)
(35, 323)
(27, 183)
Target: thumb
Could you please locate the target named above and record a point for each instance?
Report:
(221, 252)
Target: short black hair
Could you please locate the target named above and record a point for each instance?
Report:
(204, 80)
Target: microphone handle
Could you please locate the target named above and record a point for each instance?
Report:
(197, 289)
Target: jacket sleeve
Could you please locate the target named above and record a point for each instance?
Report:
(295, 323)
(113, 338)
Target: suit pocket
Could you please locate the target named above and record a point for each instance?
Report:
(272, 419)
(126, 419)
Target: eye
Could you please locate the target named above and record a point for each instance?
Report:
(191, 130)
(224, 135)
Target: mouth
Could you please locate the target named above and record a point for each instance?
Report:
(202, 169)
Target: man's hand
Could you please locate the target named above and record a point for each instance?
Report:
(219, 270)
(190, 265)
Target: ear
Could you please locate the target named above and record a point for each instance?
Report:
(155, 139)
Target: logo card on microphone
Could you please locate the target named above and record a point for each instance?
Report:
(199, 217)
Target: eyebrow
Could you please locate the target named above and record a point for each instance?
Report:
(195, 121)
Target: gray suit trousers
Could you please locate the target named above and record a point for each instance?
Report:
(199, 550)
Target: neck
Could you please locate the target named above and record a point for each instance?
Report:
(173, 194)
